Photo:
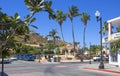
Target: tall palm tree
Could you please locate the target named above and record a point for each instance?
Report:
(73, 12)
(60, 17)
(53, 35)
(85, 17)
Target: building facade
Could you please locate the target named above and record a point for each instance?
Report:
(114, 58)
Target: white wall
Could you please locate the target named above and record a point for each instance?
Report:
(115, 63)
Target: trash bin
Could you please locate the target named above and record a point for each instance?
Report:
(49, 58)
(56, 59)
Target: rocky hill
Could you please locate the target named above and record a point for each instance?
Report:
(33, 38)
(37, 39)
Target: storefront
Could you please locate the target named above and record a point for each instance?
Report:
(114, 58)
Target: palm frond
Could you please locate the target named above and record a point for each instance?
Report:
(85, 18)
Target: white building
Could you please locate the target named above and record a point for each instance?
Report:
(113, 58)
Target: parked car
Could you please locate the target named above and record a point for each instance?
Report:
(13, 58)
(5, 60)
(96, 58)
(29, 57)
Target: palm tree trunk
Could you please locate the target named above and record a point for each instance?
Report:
(84, 39)
(54, 42)
(73, 35)
(83, 43)
(62, 33)
(63, 38)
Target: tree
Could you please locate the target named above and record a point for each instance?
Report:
(115, 46)
(105, 28)
(60, 17)
(58, 51)
(13, 24)
(53, 35)
(73, 12)
(77, 43)
(27, 50)
(84, 18)
(118, 28)
(49, 47)
(95, 49)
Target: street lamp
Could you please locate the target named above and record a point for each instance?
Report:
(90, 54)
(97, 14)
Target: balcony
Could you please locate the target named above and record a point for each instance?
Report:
(111, 38)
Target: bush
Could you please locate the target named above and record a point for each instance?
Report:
(47, 52)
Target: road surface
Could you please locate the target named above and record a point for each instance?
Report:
(27, 68)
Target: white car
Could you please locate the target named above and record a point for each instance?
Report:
(13, 58)
(5, 60)
(96, 58)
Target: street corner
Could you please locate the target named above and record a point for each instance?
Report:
(102, 70)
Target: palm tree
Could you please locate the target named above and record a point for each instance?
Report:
(77, 43)
(105, 28)
(53, 35)
(73, 12)
(60, 17)
(85, 17)
(118, 28)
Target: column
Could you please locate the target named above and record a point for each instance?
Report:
(109, 38)
(109, 28)
(119, 57)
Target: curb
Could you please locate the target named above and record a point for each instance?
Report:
(102, 70)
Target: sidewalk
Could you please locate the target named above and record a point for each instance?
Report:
(107, 68)
(72, 61)
(94, 66)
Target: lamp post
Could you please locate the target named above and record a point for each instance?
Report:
(90, 54)
(97, 14)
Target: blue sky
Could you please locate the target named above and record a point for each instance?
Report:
(109, 9)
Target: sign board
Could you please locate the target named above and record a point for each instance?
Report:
(111, 38)
(114, 37)
(117, 36)
(105, 40)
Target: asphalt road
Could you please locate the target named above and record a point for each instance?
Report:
(26, 68)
